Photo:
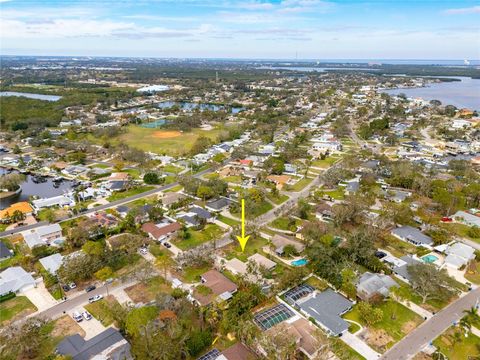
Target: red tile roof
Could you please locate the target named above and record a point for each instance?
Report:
(158, 232)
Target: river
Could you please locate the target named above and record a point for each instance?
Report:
(461, 94)
(30, 188)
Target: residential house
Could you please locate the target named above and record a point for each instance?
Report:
(218, 204)
(168, 199)
(52, 263)
(109, 345)
(326, 308)
(279, 180)
(401, 269)
(104, 220)
(370, 285)
(24, 207)
(413, 236)
(5, 252)
(60, 201)
(220, 288)
(467, 218)
(44, 235)
(324, 212)
(237, 351)
(458, 255)
(161, 231)
(194, 214)
(15, 279)
(262, 261)
(280, 241)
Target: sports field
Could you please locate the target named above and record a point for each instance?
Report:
(170, 142)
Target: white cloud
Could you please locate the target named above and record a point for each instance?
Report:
(461, 11)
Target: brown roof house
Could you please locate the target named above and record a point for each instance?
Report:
(302, 332)
(162, 231)
(237, 351)
(280, 241)
(215, 287)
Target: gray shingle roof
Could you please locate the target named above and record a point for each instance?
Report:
(411, 234)
(80, 349)
(326, 308)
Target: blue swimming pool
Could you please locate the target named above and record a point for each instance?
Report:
(299, 262)
(430, 258)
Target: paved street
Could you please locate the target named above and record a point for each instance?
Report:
(432, 328)
(70, 305)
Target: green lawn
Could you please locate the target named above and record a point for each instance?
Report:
(283, 223)
(280, 199)
(172, 169)
(460, 229)
(405, 292)
(233, 179)
(299, 185)
(397, 320)
(124, 194)
(192, 274)
(254, 245)
(317, 283)
(325, 163)
(460, 349)
(337, 194)
(473, 273)
(100, 166)
(199, 237)
(176, 188)
(146, 139)
(343, 351)
(102, 310)
(16, 307)
(134, 173)
(228, 220)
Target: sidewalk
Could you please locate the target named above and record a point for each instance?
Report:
(415, 308)
(359, 346)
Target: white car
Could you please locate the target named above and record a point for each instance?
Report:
(72, 285)
(86, 315)
(77, 316)
(95, 298)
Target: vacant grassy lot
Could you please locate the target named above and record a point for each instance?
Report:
(147, 291)
(15, 308)
(148, 140)
(254, 245)
(458, 349)
(192, 274)
(325, 163)
(397, 322)
(228, 221)
(299, 185)
(198, 237)
(285, 223)
(102, 310)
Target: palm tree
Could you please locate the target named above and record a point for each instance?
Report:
(466, 324)
(472, 313)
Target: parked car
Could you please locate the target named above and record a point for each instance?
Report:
(90, 288)
(143, 250)
(95, 298)
(86, 315)
(77, 316)
(380, 254)
(66, 288)
(447, 219)
(167, 245)
(72, 285)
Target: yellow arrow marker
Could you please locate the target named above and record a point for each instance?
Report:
(243, 239)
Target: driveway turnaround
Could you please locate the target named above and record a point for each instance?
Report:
(40, 297)
(414, 342)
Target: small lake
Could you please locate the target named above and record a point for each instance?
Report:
(461, 94)
(29, 188)
(31, 95)
(189, 106)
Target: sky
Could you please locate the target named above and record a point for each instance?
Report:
(276, 29)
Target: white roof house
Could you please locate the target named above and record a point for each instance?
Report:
(43, 235)
(371, 284)
(467, 218)
(15, 279)
(60, 200)
(459, 255)
(52, 263)
(262, 261)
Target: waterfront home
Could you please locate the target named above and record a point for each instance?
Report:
(60, 201)
(24, 207)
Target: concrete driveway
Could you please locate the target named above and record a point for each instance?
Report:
(359, 346)
(40, 297)
(91, 327)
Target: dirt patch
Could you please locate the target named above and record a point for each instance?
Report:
(66, 326)
(408, 326)
(138, 293)
(378, 338)
(166, 134)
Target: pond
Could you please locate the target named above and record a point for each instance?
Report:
(189, 106)
(45, 189)
(31, 95)
(461, 94)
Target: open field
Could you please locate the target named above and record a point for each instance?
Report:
(164, 141)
